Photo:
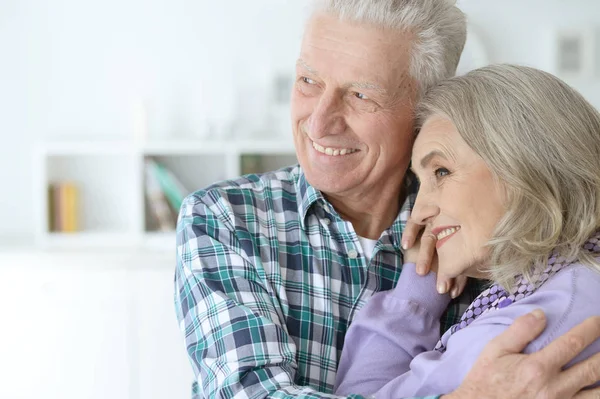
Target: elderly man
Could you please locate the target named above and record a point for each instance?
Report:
(272, 268)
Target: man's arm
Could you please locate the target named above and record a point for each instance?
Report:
(235, 334)
(502, 372)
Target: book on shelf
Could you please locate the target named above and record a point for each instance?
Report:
(164, 193)
(63, 207)
(251, 164)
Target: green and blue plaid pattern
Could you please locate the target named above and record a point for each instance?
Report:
(268, 279)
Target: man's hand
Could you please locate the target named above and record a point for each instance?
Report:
(501, 371)
(419, 246)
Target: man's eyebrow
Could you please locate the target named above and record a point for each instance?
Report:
(304, 65)
(427, 158)
(368, 86)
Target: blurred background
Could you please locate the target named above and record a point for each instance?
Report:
(112, 111)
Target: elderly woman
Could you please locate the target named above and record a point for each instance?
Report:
(508, 159)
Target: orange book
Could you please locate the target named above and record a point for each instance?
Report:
(50, 202)
(70, 205)
(58, 219)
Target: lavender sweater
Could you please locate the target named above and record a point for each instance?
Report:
(388, 349)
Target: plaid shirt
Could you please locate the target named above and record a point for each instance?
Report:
(269, 278)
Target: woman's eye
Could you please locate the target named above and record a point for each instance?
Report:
(441, 172)
(360, 96)
(308, 81)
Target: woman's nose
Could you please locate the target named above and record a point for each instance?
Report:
(424, 210)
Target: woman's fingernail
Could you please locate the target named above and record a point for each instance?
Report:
(454, 292)
(404, 244)
(538, 314)
(442, 288)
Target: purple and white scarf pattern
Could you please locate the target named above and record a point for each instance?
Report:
(496, 297)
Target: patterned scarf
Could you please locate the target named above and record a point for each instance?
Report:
(496, 297)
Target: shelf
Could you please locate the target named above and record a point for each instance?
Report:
(106, 195)
(161, 241)
(263, 145)
(275, 145)
(183, 147)
(153, 241)
(86, 148)
(85, 240)
(112, 208)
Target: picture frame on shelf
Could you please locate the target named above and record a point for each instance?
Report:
(574, 53)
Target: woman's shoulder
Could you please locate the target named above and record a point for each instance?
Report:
(568, 298)
(578, 282)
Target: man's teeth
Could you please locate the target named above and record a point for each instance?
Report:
(447, 232)
(332, 151)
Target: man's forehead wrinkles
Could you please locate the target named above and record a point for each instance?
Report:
(303, 64)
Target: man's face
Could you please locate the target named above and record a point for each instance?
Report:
(352, 107)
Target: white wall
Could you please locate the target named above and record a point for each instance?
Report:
(77, 68)
(522, 32)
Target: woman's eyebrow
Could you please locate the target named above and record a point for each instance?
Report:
(427, 158)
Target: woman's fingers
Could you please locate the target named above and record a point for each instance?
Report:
(410, 234)
(427, 260)
(457, 285)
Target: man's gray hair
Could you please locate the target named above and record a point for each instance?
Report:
(438, 26)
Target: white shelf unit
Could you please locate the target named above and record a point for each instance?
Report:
(112, 211)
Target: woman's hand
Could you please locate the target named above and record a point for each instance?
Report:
(419, 248)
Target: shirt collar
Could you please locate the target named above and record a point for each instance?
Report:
(308, 195)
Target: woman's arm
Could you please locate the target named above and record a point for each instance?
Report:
(391, 329)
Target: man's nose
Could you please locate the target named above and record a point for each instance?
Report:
(327, 117)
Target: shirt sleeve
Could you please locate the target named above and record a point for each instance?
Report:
(386, 335)
(235, 335)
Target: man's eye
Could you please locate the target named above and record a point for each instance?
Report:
(441, 172)
(360, 96)
(308, 81)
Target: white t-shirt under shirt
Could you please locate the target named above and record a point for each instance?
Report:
(368, 246)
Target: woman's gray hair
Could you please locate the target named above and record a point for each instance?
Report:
(438, 26)
(541, 140)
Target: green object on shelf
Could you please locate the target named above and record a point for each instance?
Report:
(170, 185)
(251, 164)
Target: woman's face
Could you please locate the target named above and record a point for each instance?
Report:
(458, 197)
